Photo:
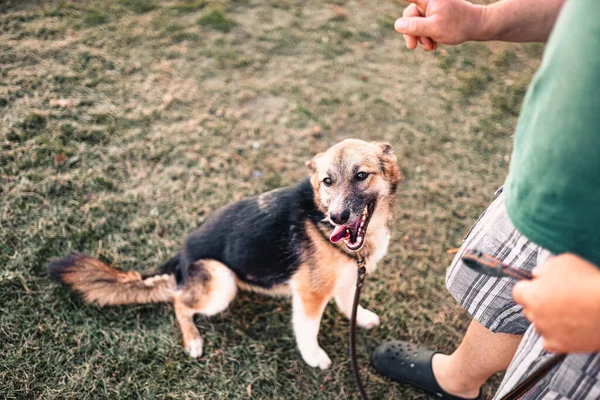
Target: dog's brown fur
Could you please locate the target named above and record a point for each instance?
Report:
(327, 270)
(102, 284)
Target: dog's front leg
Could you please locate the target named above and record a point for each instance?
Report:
(308, 309)
(344, 297)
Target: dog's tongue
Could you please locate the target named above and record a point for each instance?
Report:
(339, 233)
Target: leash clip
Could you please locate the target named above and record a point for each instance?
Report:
(362, 269)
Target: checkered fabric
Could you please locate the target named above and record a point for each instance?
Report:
(489, 300)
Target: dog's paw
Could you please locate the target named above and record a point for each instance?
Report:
(367, 319)
(194, 348)
(317, 358)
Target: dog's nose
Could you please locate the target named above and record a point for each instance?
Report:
(341, 217)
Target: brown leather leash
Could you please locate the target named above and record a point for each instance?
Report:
(488, 265)
(362, 272)
(534, 378)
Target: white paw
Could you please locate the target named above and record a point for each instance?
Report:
(317, 358)
(367, 319)
(194, 348)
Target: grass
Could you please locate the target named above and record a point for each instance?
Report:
(187, 6)
(217, 20)
(95, 18)
(123, 124)
(139, 6)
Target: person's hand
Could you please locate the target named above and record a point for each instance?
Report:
(563, 304)
(439, 21)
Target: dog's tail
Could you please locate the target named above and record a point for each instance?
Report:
(102, 284)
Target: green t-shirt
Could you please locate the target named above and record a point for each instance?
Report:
(552, 192)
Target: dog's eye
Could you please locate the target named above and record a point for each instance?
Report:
(361, 176)
(327, 182)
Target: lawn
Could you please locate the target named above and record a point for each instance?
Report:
(124, 123)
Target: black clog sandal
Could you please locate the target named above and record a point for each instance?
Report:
(410, 365)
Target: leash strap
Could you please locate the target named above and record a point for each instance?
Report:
(488, 265)
(534, 378)
(362, 271)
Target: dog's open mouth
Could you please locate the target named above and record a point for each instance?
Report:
(354, 234)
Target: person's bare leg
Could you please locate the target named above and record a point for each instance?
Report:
(480, 355)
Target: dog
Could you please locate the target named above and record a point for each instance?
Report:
(278, 243)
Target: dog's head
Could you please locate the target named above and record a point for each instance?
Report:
(350, 180)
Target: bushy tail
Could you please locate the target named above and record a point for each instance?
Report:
(105, 285)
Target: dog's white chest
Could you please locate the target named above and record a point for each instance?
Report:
(382, 241)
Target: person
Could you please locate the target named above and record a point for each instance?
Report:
(547, 213)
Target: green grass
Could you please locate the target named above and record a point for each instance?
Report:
(139, 6)
(217, 20)
(125, 123)
(506, 59)
(187, 6)
(95, 18)
(474, 82)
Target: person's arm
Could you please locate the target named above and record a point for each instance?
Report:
(519, 20)
(457, 21)
(563, 304)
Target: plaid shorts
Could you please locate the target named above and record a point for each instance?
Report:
(489, 301)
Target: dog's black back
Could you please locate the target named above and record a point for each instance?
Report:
(260, 238)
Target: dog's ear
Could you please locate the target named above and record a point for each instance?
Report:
(389, 164)
(386, 148)
(312, 164)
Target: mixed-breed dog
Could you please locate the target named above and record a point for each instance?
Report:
(279, 243)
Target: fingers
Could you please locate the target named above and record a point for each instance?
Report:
(412, 11)
(422, 4)
(426, 42)
(414, 26)
(539, 270)
(552, 346)
(528, 315)
(520, 292)
(411, 42)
